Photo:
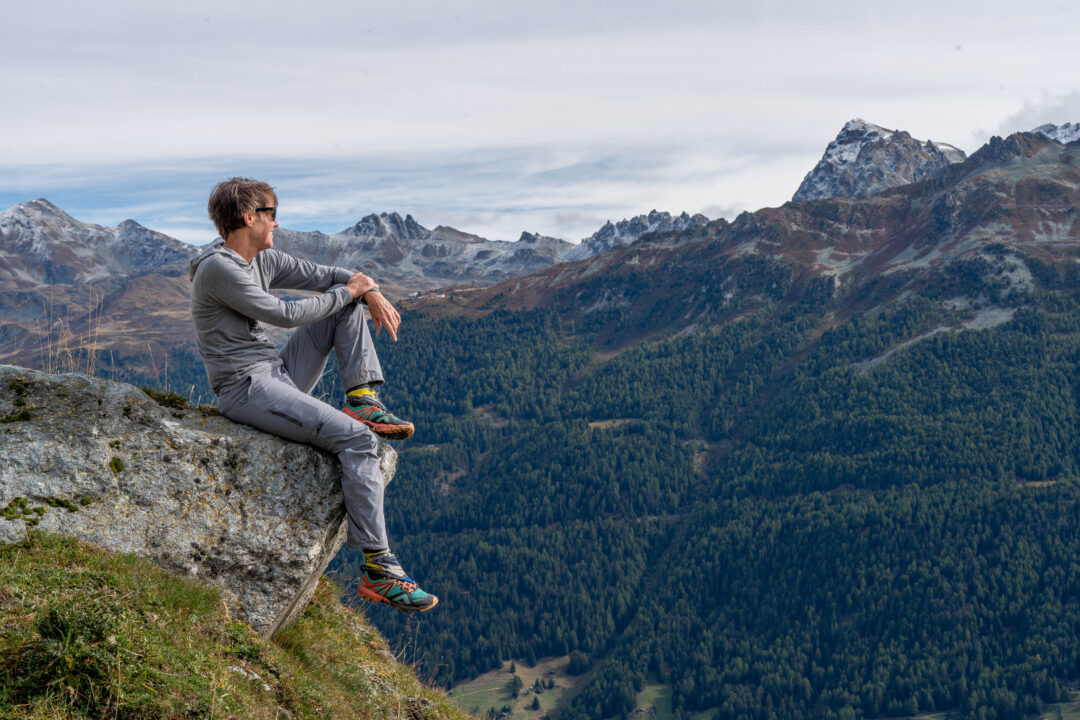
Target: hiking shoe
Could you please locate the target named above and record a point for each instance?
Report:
(369, 410)
(383, 580)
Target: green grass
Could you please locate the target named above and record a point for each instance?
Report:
(1063, 711)
(482, 693)
(175, 401)
(491, 691)
(656, 698)
(654, 702)
(86, 634)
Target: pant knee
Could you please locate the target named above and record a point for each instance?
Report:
(362, 442)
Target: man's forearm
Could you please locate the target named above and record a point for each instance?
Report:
(292, 273)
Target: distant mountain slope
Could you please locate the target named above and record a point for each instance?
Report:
(70, 289)
(865, 159)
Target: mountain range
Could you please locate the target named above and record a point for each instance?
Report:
(625, 232)
(66, 285)
(407, 257)
(1016, 194)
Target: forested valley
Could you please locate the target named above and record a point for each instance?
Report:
(781, 514)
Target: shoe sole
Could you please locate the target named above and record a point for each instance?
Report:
(391, 432)
(373, 596)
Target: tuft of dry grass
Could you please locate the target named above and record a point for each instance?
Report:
(64, 348)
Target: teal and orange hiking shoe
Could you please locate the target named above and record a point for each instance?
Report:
(364, 406)
(384, 580)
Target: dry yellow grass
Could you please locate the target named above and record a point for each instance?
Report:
(88, 635)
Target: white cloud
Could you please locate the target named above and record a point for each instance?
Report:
(313, 83)
(1057, 109)
(568, 191)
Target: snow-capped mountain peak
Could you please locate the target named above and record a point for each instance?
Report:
(41, 244)
(853, 136)
(865, 159)
(387, 225)
(1067, 133)
(36, 217)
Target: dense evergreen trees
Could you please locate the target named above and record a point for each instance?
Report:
(780, 516)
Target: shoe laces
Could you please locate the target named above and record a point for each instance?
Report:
(369, 398)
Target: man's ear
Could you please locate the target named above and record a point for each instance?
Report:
(249, 218)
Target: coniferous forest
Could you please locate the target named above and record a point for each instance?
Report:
(780, 515)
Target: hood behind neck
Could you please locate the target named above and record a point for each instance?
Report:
(217, 248)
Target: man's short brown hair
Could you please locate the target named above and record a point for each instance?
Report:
(230, 199)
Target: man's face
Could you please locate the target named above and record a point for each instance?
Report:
(262, 229)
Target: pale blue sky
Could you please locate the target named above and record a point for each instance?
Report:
(496, 117)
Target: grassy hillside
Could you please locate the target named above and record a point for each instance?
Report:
(85, 634)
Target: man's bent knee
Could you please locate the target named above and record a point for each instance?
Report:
(346, 434)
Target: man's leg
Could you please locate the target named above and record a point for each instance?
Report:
(304, 357)
(275, 405)
(345, 332)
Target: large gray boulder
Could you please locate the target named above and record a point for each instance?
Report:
(258, 516)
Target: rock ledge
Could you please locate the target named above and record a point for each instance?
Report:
(258, 516)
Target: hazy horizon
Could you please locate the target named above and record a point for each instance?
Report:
(493, 118)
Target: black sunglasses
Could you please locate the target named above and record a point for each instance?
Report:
(271, 210)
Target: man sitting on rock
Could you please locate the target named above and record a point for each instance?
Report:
(257, 384)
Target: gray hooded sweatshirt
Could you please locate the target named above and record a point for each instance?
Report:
(231, 307)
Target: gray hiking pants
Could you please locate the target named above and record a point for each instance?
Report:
(277, 401)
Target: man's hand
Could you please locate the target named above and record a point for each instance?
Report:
(359, 284)
(383, 313)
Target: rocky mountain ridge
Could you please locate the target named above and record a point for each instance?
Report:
(406, 255)
(1067, 133)
(628, 231)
